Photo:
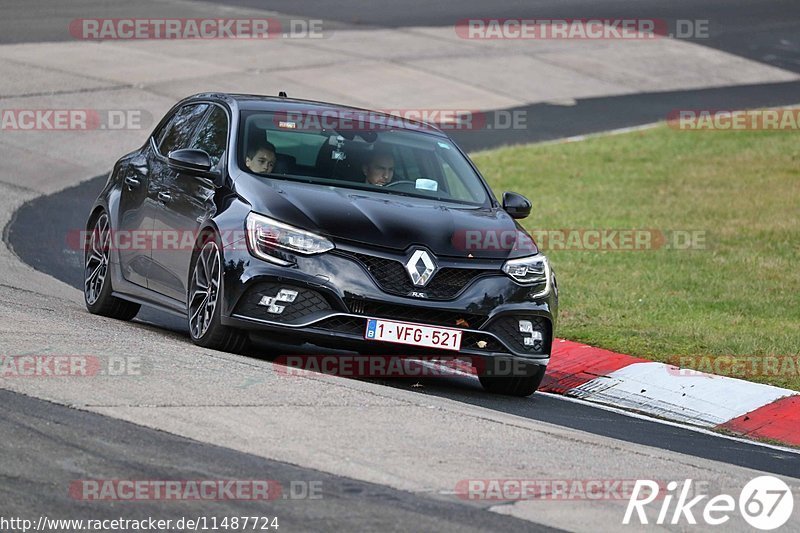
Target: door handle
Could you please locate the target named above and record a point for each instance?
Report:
(164, 196)
(132, 182)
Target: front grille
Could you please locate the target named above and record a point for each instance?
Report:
(507, 328)
(419, 315)
(392, 277)
(307, 302)
(343, 324)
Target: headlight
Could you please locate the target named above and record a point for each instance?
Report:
(266, 236)
(533, 270)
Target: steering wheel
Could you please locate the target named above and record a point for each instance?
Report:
(393, 183)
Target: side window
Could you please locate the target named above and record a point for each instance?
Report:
(213, 134)
(179, 131)
(160, 132)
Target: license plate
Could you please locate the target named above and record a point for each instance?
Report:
(414, 334)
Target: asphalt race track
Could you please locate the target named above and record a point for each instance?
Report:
(74, 441)
(386, 453)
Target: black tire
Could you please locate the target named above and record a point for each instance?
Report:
(515, 386)
(97, 287)
(203, 300)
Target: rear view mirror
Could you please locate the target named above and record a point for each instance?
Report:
(427, 185)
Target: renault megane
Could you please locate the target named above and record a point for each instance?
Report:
(313, 222)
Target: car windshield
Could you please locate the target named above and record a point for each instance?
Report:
(358, 153)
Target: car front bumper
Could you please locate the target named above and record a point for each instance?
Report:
(337, 294)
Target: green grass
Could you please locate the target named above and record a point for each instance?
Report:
(739, 295)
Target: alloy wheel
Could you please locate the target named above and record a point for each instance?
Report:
(204, 289)
(96, 268)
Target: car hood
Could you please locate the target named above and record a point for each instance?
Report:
(384, 220)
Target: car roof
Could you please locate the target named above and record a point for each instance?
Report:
(255, 102)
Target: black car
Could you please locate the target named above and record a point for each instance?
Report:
(313, 222)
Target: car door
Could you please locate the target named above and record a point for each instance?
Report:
(136, 208)
(160, 190)
(191, 201)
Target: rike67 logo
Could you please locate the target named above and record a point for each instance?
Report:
(766, 503)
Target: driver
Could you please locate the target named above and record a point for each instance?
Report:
(379, 169)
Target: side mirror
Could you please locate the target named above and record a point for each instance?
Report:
(195, 162)
(516, 205)
(190, 160)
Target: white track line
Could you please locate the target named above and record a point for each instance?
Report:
(696, 429)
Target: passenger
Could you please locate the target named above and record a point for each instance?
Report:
(261, 158)
(379, 169)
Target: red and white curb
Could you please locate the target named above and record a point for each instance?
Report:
(660, 390)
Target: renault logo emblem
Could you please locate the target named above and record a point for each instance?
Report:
(420, 268)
